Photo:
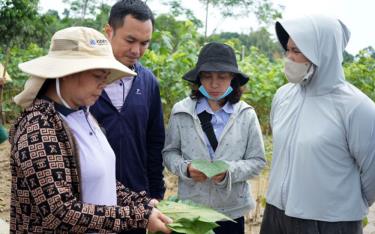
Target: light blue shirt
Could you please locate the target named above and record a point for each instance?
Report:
(219, 120)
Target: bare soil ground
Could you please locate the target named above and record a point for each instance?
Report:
(258, 186)
(5, 180)
(253, 219)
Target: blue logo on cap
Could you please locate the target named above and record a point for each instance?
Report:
(92, 42)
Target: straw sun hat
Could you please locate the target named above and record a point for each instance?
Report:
(72, 50)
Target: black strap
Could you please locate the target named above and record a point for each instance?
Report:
(205, 119)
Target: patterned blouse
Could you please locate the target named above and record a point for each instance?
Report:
(45, 192)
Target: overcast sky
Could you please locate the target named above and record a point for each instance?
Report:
(358, 15)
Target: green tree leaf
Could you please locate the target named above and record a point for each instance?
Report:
(196, 227)
(209, 168)
(190, 218)
(178, 210)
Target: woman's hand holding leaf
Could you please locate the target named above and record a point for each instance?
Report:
(196, 174)
(153, 202)
(219, 177)
(157, 222)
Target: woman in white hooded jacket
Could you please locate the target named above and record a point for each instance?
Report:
(323, 168)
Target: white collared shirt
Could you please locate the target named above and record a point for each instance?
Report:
(96, 159)
(219, 120)
(118, 91)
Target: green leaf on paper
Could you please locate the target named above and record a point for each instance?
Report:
(209, 168)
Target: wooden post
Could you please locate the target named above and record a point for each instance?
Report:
(3, 77)
(2, 119)
(206, 23)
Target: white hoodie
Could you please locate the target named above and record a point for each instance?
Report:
(323, 165)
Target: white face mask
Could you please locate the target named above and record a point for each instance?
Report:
(298, 72)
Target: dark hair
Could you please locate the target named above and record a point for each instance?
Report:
(232, 98)
(43, 90)
(137, 8)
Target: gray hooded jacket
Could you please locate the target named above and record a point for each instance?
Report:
(323, 165)
(240, 145)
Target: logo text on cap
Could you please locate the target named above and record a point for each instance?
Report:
(99, 42)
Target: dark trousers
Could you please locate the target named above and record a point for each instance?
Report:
(228, 227)
(276, 222)
(135, 231)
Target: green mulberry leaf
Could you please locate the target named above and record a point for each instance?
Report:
(210, 169)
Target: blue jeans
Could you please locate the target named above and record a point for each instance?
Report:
(276, 222)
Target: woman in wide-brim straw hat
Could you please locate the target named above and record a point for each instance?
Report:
(213, 124)
(63, 168)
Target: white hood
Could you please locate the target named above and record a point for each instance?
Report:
(323, 161)
(313, 36)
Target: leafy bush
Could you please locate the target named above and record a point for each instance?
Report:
(361, 72)
(265, 78)
(170, 58)
(11, 89)
(173, 52)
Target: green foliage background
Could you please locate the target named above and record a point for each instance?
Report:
(173, 52)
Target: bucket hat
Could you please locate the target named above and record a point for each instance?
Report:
(216, 57)
(72, 50)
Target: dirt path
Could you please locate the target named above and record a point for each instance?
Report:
(370, 228)
(5, 179)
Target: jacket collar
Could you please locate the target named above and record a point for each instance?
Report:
(137, 68)
(188, 105)
(202, 105)
(61, 108)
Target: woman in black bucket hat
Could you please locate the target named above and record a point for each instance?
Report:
(213, 124)
(216, 57)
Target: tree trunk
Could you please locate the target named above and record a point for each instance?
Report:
(2, 119)
(242, 52)
(84, 10)
(7, 55)
(205, 25)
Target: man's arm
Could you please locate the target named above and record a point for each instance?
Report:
(155, 143)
